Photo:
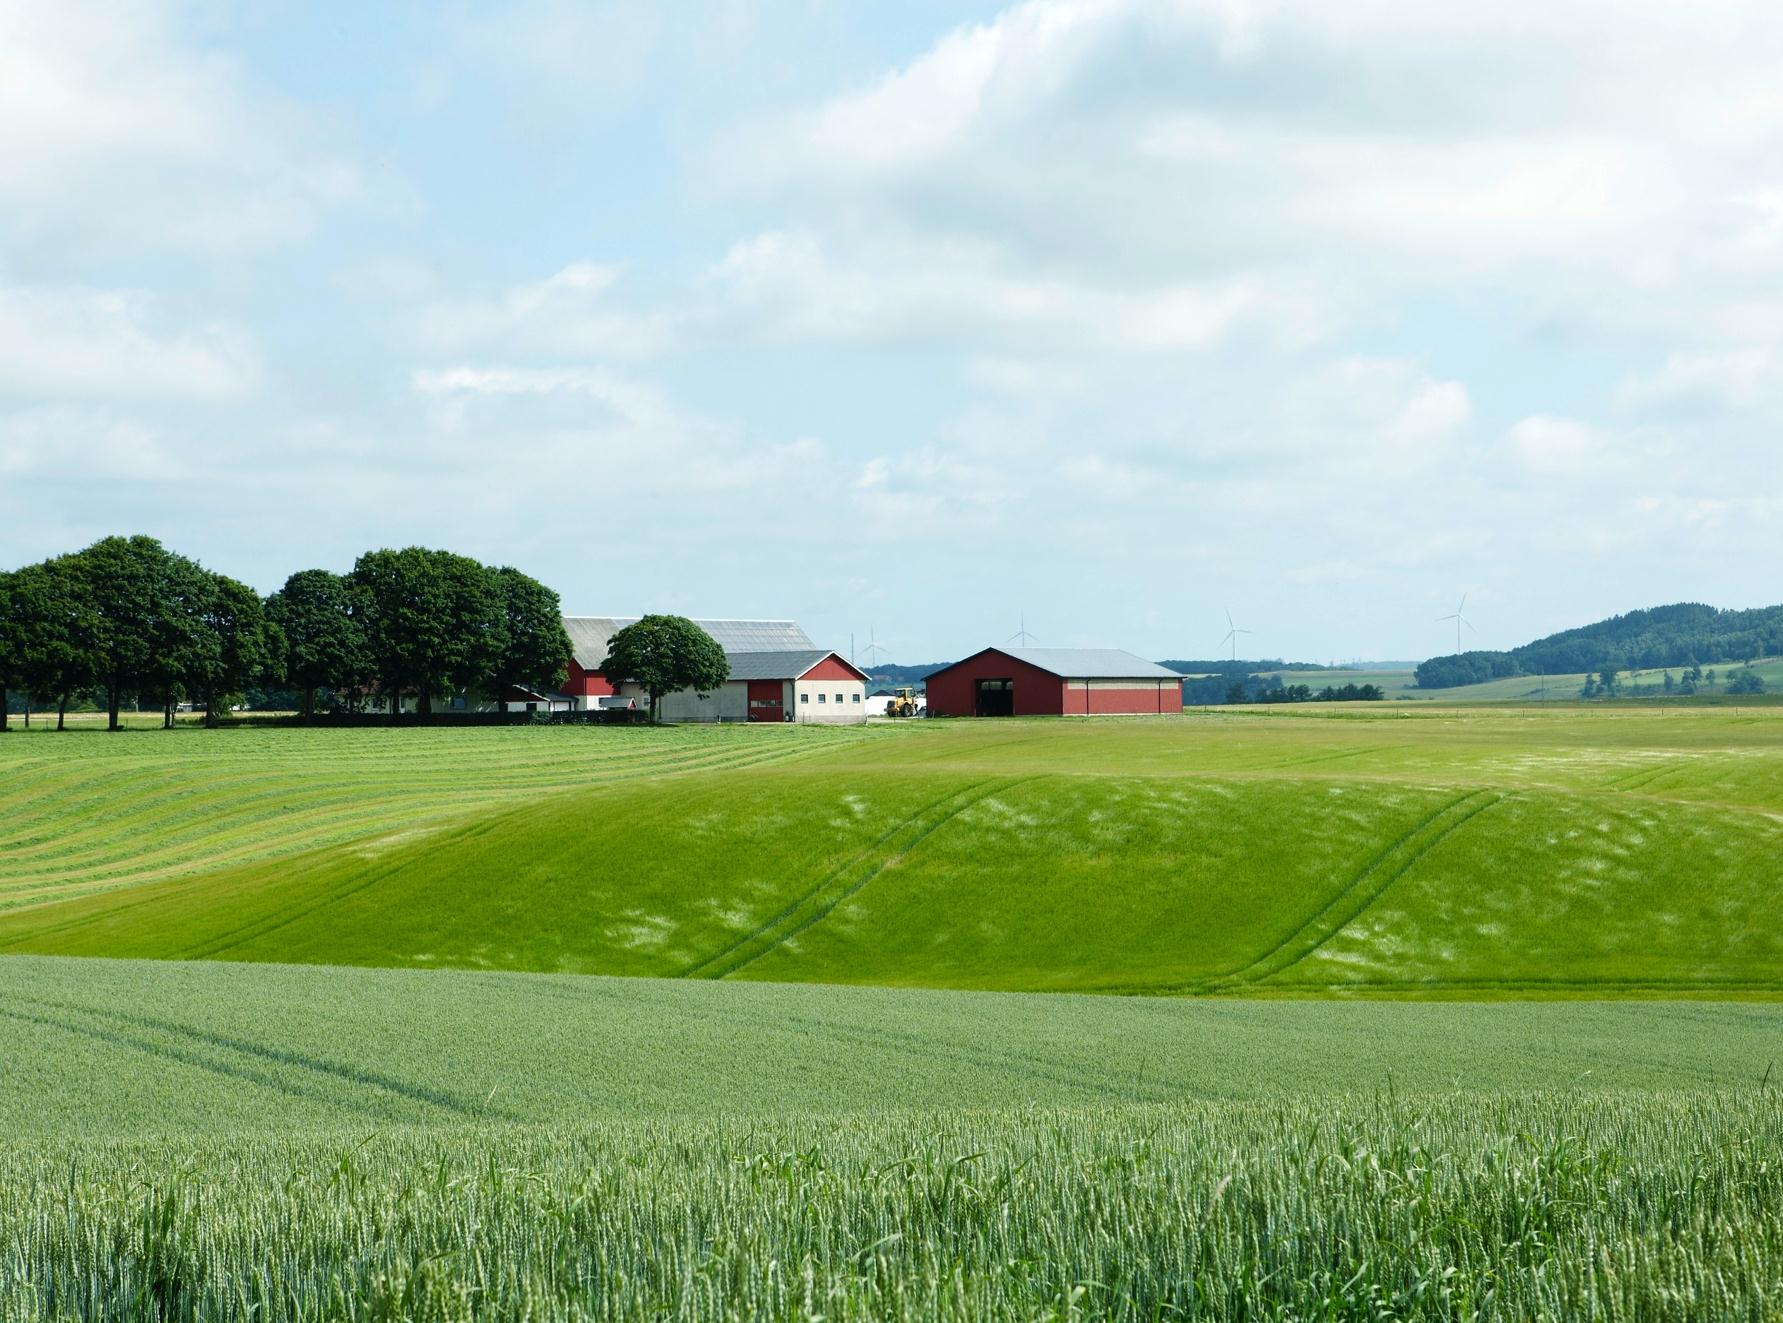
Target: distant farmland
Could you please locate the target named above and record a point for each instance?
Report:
(1402, 684)
(1434, 851)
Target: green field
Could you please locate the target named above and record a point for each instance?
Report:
(1439, 851)
(372, 1070)
(270, 1142)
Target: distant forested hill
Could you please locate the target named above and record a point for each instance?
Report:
(1684, 634)
(889, 675)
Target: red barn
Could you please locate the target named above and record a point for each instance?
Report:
(1053, 682)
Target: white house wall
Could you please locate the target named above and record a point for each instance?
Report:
(851, 711)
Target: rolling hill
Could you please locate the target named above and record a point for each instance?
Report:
(1675, 636)
(1454, 852)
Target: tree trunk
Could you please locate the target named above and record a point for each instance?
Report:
(61, 711)
(307, 709)
(5, 718)
(111, 706)
(424, 702)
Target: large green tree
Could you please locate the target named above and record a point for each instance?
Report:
(12, 653)
(535, 651)
(433, 621)
(140, 597)
(663, 654)
(234, 644)
(47, 629)
(322, 636)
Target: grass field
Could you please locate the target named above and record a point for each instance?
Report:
(215, 1134)
(267, 1142)
(1441, 851)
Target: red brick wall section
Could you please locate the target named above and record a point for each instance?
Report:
(1142, 697)
(953, 690)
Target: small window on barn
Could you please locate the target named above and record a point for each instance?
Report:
(855, 697)
(823, 698)
(838, 698)
(804, 698)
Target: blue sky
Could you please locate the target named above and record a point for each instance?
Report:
(914, 318)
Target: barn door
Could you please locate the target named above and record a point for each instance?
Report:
(996, 698)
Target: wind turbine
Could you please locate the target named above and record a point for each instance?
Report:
(1021, 633)
(1459, 620)
(873, 649)
(1232, 633)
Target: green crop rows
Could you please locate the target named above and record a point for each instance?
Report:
(269, 1142)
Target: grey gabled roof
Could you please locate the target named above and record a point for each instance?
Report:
(589, 635)
(787, 665)
(1091, 663)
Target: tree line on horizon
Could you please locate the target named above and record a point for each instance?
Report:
(127, 620)
(1679, 636)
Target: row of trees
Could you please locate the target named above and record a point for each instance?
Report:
(127, 619)
(1305, 693)
(1608, 683)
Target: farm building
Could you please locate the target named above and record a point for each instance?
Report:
(1039, 682)
(777, 674)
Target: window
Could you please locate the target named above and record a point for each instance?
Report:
(838, 698)
(823, 698)
(804, 698)
(855, 697)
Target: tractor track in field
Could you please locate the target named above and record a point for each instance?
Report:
(1366, 887)
(189, 1047)
(845, 882)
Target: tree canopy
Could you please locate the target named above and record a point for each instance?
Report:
(663, 654)
(320, 635)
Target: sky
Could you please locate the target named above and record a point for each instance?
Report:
(915, 321)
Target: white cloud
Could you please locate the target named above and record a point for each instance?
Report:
(77, 343)
(120, 137)
(1619, 160)
(82, 442)
(1738, 379)
(792, 285)
(1547, 445)
(570, 314)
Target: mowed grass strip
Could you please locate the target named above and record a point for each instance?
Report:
(87, 811)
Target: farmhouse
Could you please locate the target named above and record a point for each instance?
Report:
(1036, 682)
(777, 674)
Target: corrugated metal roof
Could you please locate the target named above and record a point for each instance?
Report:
(589, 636)
(787, 665)
(1091, 663)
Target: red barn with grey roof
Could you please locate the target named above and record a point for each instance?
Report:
(1053, 682)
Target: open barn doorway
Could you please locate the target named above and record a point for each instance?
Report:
(996, 698)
